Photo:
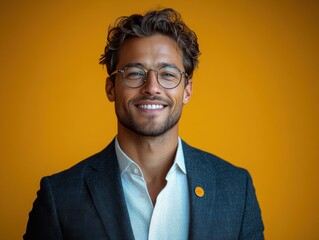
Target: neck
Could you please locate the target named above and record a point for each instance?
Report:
(154, 155)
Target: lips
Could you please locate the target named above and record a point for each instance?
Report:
(153, 103)
(150, 106)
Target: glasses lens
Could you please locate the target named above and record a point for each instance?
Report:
(134, 76)
(169, 76)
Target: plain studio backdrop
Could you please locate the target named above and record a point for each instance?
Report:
(255, 100)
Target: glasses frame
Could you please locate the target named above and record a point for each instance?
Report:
(146, 74)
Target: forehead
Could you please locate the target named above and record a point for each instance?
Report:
(150, 52)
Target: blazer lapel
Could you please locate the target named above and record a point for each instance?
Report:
(200, 177)
(104, 183)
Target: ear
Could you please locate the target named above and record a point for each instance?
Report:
(110, 89)
(188, 91)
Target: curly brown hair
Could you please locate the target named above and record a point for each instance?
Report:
(167, 22)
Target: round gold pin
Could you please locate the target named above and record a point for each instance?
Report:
(199, 192)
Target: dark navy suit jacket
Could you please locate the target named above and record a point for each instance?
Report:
(87, 201)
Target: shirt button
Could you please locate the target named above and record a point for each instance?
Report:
(135, 170)
(143, 195)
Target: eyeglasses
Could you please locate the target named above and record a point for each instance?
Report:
(135, 76)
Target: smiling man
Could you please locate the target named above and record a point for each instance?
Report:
(148, 183)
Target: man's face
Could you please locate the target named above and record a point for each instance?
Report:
(149, 110)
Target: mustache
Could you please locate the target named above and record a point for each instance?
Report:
(168, 101)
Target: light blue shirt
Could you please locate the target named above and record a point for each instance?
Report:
(169, 218)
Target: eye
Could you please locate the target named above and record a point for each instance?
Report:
(169, 73)
(132, 73)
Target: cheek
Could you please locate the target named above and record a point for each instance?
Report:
(177, 103)
(122, 98)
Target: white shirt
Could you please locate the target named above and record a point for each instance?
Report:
(169, 218)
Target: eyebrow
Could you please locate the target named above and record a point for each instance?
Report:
(158, 65)
(164, 64)
(133, 65)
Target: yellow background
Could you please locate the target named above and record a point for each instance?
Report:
(255, 100)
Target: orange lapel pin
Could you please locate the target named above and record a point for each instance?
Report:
(199, 191)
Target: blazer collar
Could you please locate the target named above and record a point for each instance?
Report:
(202, 176)
(104, 183)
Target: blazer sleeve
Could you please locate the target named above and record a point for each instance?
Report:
(43, 220)
(252, 225)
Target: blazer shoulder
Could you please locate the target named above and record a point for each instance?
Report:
(212, 163)
(79, 171)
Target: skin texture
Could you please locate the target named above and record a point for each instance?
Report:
(149, 137)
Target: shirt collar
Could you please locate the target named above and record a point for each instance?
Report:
(125, 162)
(179, 157)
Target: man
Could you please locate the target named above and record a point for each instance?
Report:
(148, 183)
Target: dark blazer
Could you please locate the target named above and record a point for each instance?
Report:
(87, 201)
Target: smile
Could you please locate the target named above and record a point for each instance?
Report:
(150, 106)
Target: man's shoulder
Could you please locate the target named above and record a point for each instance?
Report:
(205, 160)
(79, 171)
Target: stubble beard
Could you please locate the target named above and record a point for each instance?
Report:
(151, 128)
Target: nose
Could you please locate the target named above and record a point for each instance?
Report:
(151, 86)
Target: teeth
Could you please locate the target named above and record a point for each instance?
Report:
(150, 106)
